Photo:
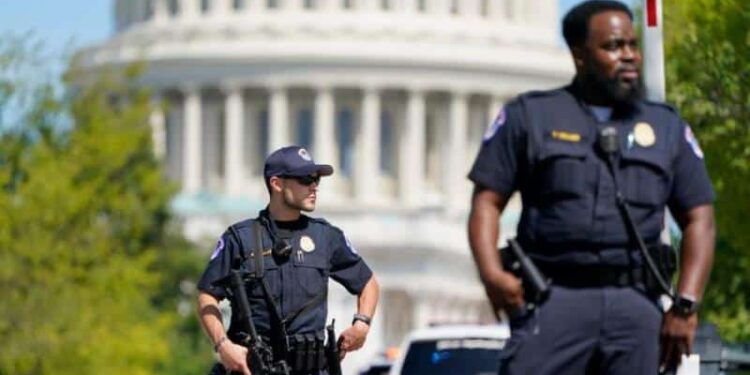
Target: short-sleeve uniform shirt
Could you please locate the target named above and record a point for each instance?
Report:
(543, 144)
(319, 251)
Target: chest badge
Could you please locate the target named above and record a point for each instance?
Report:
(306, 244)
(644, 134)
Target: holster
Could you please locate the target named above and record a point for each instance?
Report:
(665, 258)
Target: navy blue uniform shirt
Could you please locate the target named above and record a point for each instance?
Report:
(319, 251)
(543, 144)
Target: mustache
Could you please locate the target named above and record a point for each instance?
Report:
(627, 68)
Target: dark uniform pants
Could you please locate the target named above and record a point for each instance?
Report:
(592, 331)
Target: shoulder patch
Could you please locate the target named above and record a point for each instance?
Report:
(693, 142)
(350, 246)
(218, 249)
(495, 125)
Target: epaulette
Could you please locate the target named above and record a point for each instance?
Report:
(319, 220)
(541, 93)
(326, 224)
(243, 224)
(662, 105)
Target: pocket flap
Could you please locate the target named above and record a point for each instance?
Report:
(652, 158)
(313, 259)
(556, 149)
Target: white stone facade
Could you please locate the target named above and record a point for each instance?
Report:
(395, 94)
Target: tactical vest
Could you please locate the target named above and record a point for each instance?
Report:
(568, 193)
(303, 352)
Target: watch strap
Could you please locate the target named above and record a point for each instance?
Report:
(685, 306)
(362, 318)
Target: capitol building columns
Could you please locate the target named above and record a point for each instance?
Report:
(158, 125)
(456, 154)
(192, 140)
(233, 139)
(188, 9)
(278, 128)
(324, 134)
(412, 142)
(367, 171)
(391, 146)
(160, 10)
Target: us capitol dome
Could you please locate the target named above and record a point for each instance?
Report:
(395, 94)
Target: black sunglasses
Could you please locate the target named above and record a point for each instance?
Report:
(305, 180)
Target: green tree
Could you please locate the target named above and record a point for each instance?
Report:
(89, 267)
(708, 78)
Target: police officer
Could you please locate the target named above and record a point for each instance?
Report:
(601, 316)
(300, 253)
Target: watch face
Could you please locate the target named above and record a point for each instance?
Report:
(685, 306)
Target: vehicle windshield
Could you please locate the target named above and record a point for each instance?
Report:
(453, 357)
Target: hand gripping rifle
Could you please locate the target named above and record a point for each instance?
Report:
(536, 286)
(259, 356)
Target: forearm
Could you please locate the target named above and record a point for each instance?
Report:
(697, 251)
(210, 317)
(484, 232)
(367, 301)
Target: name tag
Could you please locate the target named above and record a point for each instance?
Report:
(566, 136)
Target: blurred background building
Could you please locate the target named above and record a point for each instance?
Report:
(395, 94)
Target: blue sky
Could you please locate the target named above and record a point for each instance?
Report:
(66, 24)
(60, 24)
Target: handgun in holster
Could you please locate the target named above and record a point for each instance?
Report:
(536, 286)
(665, 258)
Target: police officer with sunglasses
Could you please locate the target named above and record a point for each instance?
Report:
(299, 254)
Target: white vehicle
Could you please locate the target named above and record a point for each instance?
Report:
(452, 350)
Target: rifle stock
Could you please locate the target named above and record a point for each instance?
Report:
(260, 356)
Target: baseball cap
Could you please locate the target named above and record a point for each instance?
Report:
(293, 161)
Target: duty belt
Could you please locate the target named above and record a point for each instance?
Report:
(593, 275)
(307, 352)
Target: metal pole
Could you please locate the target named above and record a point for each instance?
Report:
(653, 50)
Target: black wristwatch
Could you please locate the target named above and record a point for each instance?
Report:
(362, 318)
(685, 306)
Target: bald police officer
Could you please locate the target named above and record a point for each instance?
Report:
(299, 254)
(602, 316)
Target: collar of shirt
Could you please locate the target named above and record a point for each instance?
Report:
(602, 114)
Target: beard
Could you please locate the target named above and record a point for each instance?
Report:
(614, 90)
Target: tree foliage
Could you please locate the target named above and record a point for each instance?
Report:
(89, 267)
(708, 78)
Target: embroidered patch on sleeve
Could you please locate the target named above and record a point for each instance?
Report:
(218, 249)
(495, 126)
(693, 142)
(350, 246)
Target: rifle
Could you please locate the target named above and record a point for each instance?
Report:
(536, 286)
(332, 350)
(259, 355)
